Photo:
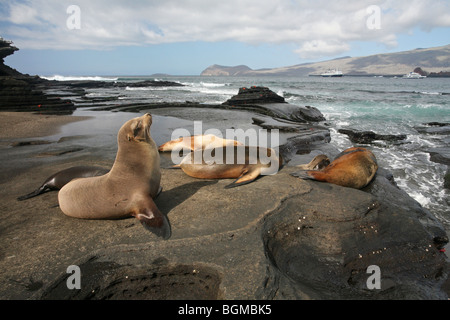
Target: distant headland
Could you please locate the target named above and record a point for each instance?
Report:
(433, 62)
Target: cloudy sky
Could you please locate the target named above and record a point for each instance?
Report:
(183, 37)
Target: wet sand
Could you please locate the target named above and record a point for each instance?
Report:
(30, 128)
(28, 124)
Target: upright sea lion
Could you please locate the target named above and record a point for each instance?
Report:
(128, 189)
(197, 142)
(353, 168)
(318, 163)
(242, 162)
(60, 179)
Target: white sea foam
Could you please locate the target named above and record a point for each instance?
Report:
(79, 78)
(139, 88)
(281, 93)
(213, 85)
(431, 93)
(210, 88)
(420, 198)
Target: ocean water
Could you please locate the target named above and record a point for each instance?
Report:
(380, 104)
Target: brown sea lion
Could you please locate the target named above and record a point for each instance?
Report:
(353, 168)
(130, 186)
(242, 163)
(197, 142)
(60, 179)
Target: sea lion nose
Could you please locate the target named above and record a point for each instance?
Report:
(148, 118)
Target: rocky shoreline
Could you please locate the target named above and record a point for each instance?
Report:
(302, 240)
(277, 238)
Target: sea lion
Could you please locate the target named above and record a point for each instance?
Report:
(318, 163)
(243, 163)
(128, 189)
(60, 179)
(197, 142)
(353, 168)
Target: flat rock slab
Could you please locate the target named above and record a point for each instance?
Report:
(276, 238)
(209, 224)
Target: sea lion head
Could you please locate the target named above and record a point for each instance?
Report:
(136, 130)
(319, 162)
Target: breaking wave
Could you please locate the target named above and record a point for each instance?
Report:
(79, 78)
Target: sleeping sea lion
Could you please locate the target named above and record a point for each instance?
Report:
(353, 168)
(197, 142)
(242, 163)
(128, 189)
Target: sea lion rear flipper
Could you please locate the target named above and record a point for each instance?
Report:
(35, 193)
(153, 220)
(246, 177)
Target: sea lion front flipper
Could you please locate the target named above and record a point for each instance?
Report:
(153, 220)
(302, 174)
(247, 176)
(175, 166)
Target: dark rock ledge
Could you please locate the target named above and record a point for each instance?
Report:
(263, 100)
(369, 137)
(25, 93)
(22, 92)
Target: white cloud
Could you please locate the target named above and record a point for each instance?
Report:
(23, 14)
(315, 48)
(317, 27)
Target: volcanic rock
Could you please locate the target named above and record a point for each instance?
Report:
(254, 95)
(447, 179)
(367, 137)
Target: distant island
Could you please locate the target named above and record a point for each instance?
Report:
(433, 62)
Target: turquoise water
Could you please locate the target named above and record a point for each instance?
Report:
(382, 105)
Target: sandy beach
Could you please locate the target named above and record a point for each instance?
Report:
(32, 125)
